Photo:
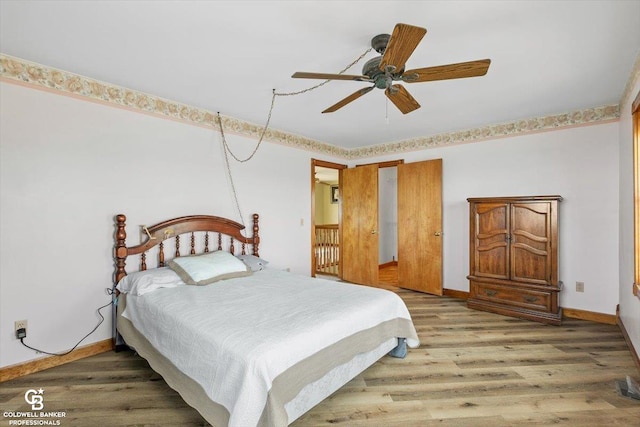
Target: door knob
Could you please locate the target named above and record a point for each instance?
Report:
(438, 233)
(373, 231)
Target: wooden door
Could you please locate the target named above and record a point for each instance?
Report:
(359, 235)
(491, 245)
(420, 226)
(531, 242)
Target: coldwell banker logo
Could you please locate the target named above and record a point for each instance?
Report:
(37, 416)
(35, 399)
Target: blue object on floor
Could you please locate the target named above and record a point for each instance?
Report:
(400, 351)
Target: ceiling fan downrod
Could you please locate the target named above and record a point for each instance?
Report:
(379, 43)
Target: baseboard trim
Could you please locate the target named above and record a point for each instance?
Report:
(22, 369)
(574, 313)
(453, 293)
(571, 313)
(625, 334)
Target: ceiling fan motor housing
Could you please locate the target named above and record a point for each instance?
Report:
(372, 67)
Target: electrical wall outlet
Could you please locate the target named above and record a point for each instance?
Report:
(579, 286)
(20, 324)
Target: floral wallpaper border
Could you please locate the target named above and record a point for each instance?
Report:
(25, 72)
(30, 73)
(635, 76)
(516, 127)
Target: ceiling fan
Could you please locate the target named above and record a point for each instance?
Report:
(383, 70)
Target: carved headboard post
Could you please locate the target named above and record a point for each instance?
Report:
(256, 236)
(121, 247)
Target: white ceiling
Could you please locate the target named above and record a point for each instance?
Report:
(548, 57)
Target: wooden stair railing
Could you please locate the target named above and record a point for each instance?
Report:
(327, 249)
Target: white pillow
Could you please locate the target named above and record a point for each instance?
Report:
(142, 282)
(208, 268)
(253, 262)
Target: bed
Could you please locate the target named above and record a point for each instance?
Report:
(242, 343)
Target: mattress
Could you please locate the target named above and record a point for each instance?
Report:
(253, 344)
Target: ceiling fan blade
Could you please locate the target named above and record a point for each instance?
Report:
(445, 72)
(402, 99)
(325, 76)
(403, 42)
(348, 99)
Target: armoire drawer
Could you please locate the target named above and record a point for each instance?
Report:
(513, 296)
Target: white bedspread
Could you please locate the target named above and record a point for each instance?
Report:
(236, 336)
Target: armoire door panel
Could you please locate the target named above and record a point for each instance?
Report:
(359, 237)
(530, 244)
(492, 240)
(420, 226)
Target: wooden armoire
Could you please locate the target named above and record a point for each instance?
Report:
(514, 257)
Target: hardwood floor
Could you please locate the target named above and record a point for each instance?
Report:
(388, 275)
(472, 369)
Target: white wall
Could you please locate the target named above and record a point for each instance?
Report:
(580, 164)
(67, 166)
(629, 305)
(321, 192)
(326, 212)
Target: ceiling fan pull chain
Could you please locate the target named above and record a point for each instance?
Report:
(273, 98)
(228, 151)
(326, 81)
(262, 134)
(233, 186)
(386, 111)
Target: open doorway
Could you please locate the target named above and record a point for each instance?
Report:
(388, 225)
(403, 226)
(370, 223)
(325, 218)
(417, 217)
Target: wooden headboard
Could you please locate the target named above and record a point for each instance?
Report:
(186, 227)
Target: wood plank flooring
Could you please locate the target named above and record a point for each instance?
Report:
(388, 275)
(472, 369)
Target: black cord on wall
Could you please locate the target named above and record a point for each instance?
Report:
(75, 346)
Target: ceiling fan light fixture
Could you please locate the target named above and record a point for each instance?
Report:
(383, 81)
